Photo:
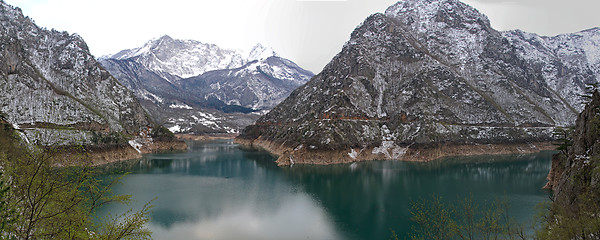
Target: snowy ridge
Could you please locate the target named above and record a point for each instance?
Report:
(188, 58)
(259, 52)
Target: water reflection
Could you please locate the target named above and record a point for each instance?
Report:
(373, 197)
(217, 191)
(223, 193)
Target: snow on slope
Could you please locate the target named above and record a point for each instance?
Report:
(188, 58)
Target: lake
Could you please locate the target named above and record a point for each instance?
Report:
(218, 191)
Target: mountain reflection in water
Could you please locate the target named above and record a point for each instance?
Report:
(219, 191)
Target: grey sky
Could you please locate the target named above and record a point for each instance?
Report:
(309, 32)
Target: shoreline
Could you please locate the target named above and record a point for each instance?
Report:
(205, 137)
(288, 156)
(101, 155)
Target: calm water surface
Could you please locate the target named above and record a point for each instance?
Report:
(218, 191)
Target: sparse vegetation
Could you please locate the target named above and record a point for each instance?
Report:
(112, 138)
(161, 133)
(39, 200)
(464, 219)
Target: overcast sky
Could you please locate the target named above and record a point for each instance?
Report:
(308, 32)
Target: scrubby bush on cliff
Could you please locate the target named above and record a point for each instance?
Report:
(564, 138)
(161, 133)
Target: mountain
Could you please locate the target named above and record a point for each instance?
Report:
(227, 91)
(54, 90)
(259, 84)
(182, 58)
(430, 78)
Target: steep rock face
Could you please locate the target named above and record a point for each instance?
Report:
(130, 73)
(50, 81)
(576, 171)
(566, 62)
(575, 181)
(427, 73)
(229, 93)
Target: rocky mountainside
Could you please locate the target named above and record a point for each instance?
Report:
(431, 74)
(54, 90)
(229, 91)
(575, 179)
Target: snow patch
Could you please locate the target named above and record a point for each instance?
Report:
(135, 145)
(397, 152)
(353, 153)
(181, 106)
(175, 129)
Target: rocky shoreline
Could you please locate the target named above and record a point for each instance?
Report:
(100, 155)
(301, 155)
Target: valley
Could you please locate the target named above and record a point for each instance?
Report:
(424, 105)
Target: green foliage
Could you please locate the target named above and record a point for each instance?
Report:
(161, 133)
(575, 216)
(465, 219)
(130, 225)
(7, 212)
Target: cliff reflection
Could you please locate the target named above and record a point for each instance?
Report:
(218, 191)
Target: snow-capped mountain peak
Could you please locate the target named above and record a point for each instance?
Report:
(183, 58)
(165, 73)
(435, 12)
(260, 52)
(188, 58)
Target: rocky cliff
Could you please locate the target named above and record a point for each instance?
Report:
(427, 74)
(576, 170)
(575, 180)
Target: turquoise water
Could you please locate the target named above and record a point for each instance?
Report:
(218, 191)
